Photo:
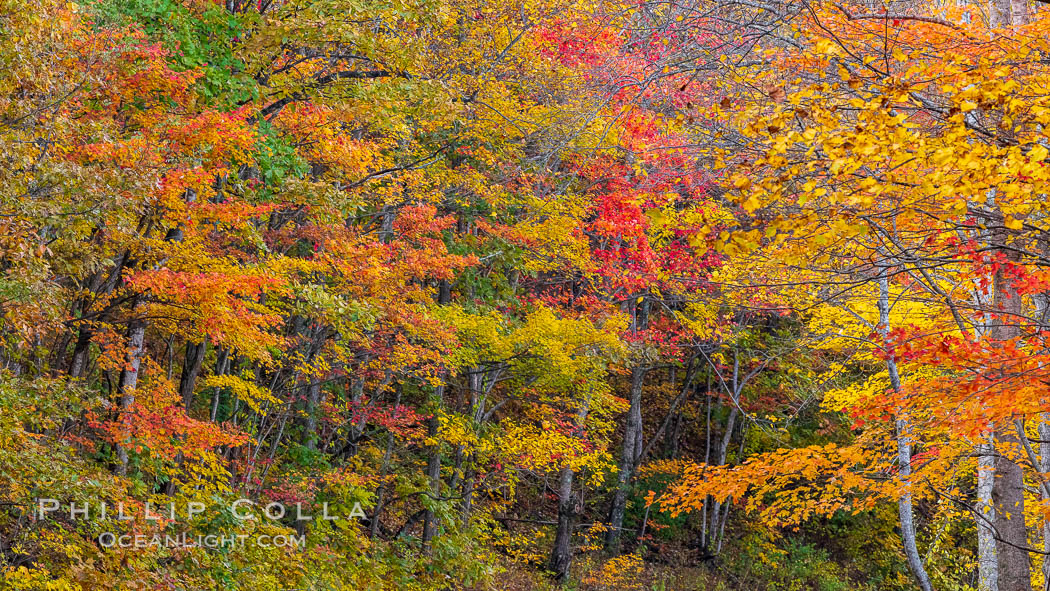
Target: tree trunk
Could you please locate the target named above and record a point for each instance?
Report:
(129, 376)
(561, 553)
(1018, 12)
(904, 509)
(987, 560)
(904, 443)
(466, 505)
(704, 538)
(1044, 467)
(1005, 13)
(191, 368)
(723, 458)
(313, 401)
(1008, 487)
(78, 363)
(316, 338)
(222, 365)
(464, 474)
(430, 519)
(999, 13)
(632, 448)
(373, 525)
(80, 353)
(1008, 498)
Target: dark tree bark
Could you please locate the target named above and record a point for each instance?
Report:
(79, 361)
(632, 449)
(430, 519)
(373, 526)
(561, 553)
(313, 400)
(191, 368)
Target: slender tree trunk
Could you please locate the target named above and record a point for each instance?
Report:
(191, 368)
(720, 512)
(78, 363)
(1042, 306)
(430, 519)
(904, 443)
(222, 365)
(316, 338)
(904, 509)
(129, 376)
(463, 475)
(458, 457)
(985, 517)
(632, 439)
(561, 553)
(722, 528)
(466, 505)
(704, 541)
(671, 439)
(373, 525)
(673, 412)
(987, 559)
(80, 353)
(1044, 467)
(723, 457)
(313, 401)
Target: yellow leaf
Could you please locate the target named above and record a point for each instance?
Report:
(1038, 153)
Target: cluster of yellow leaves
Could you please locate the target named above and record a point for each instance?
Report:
(244, 390)
(546, 450)
(620, 572)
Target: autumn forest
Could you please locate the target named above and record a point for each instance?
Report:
(589, 295)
